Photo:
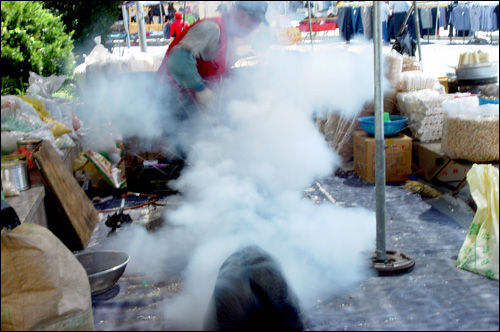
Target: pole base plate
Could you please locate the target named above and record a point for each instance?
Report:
(394, 264)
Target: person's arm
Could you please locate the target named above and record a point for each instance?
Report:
(182, 66)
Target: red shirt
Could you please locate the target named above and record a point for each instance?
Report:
(176, 27)
(209, 70)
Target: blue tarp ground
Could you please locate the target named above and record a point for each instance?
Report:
(435, 295)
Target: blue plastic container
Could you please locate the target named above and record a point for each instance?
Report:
(392, 128)
(483, 101)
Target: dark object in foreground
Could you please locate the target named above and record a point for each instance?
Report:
(251, 293)
(117, 219)
(405, 44)
(10, 220)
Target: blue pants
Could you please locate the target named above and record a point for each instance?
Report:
(385, 32)
(166, 31)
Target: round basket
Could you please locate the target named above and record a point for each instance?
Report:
(392, 128)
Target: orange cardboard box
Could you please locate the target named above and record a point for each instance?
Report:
(397, 157)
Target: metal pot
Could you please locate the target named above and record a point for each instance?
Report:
(15, 170)
(103, 268)
(477, 73)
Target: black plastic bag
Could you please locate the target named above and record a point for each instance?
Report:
(405, 44)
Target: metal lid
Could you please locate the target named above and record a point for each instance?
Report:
(13, 160)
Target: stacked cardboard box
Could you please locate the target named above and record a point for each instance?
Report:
(397, 157)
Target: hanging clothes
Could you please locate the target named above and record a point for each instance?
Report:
(498, 19)
(489, 21)
(475, 17)
(344, 21)
(426, 18)
(450, 11)
(442, 18)
(366, 18)
(460, 18)
(357, 24)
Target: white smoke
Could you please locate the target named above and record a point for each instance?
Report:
(249, 163)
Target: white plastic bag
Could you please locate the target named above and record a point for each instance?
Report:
(479, 252)
(44, 86)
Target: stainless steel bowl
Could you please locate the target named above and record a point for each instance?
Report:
(477, 70)
(103, 268)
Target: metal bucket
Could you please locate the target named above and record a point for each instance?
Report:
(15, 170)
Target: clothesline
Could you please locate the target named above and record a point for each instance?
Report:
(357, 4)
(420, 4)
(432, 4)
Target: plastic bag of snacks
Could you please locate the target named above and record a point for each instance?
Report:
(393, 66)
(411, 63)
(416, 80)
(424, 111)
(470, 131)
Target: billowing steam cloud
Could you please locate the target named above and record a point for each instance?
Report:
(249, 162)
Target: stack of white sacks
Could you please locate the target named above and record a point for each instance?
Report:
(425, 113)
(420, 99)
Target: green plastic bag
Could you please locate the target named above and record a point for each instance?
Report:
(479, 252)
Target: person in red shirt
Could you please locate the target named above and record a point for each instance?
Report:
(195, 62)
(203, 54)
(178, 25)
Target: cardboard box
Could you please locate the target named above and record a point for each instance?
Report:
(397, 157)
(429, 159)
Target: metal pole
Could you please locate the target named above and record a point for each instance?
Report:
(310, 24)
(183, 16)
(379, 134)
(141, 28)
(161, 15)
(437, 24)
(417, 30)
(125, 24)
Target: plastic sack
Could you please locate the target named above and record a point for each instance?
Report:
(470, 131)
(44, 287)
(51, 108)
(64, 142)
(416, 80)
(479, 252)
(10, 189)
(9, 140)
(58, 128)
(393, 66)
(44, 86)
(13, 106)
(424, 111)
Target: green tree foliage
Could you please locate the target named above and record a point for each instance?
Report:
(33, 39)
(86, 19)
